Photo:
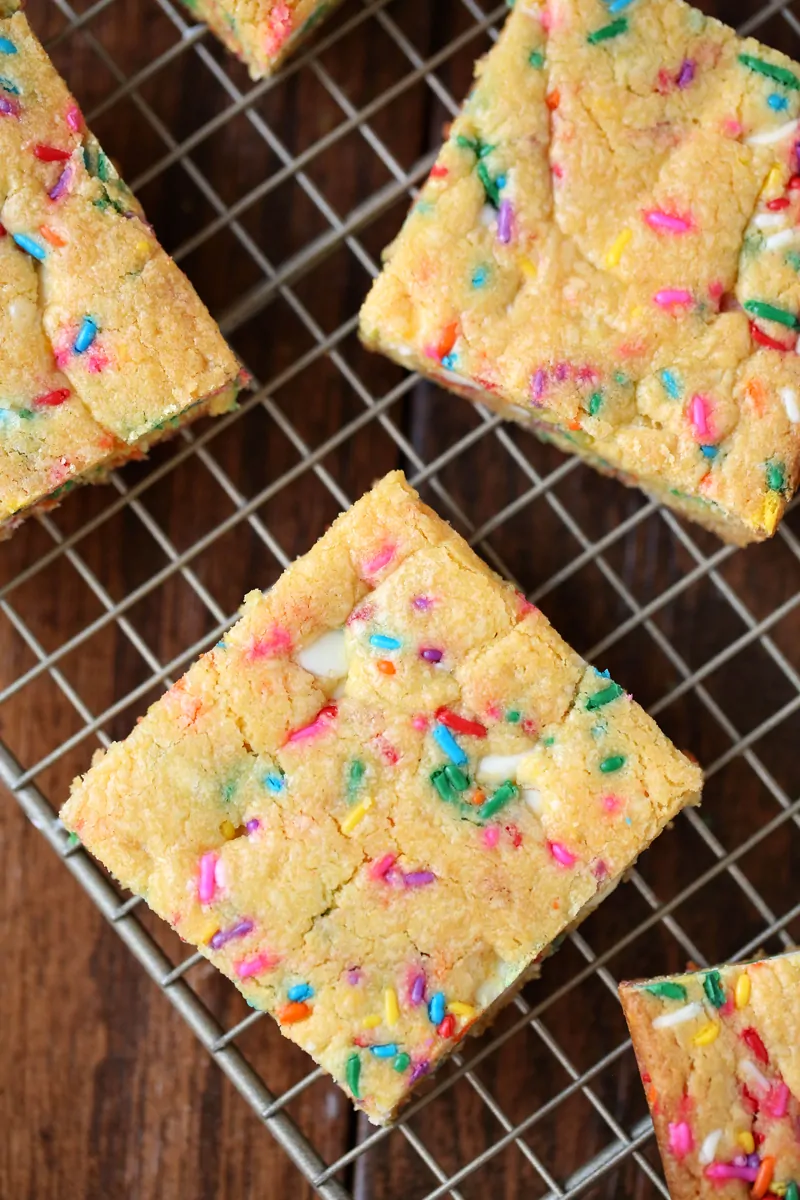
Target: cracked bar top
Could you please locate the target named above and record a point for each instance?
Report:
(377, 803)
(262, 33)
(104, 345)
(607, 250)
(719, 1054)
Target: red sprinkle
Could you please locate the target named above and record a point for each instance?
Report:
(50, 153)
(777, 205)
(764, 339)
(794, 183)
(751, 1102)
(751, 1039)
(3, 231)
(438, 172)
(447, 1026)
(53, 399)
(460, 724)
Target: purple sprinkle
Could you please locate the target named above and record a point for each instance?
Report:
(417, 992)
(422, 602)
(253, 825)
(223, 936)
(9, 107)
(421, 1068)
(561, 372)
(537, 384)
(753, 1160)
(354, 976)
(64, 180)
(505, 218)
(431, 654)
(419, 878)
(686, 73)
(797, 154)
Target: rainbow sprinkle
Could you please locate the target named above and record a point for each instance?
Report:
(86, 335)
(30, 246)
(608, 31)
(779, 74)
(448, 744)
(353, 1074)
(615, 762)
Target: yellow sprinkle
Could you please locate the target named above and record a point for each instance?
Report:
(528, 268)
(707, 1034)
(390, 1006)
(742, 991)
(143, 247)
(617, 247)
(774, 180)
(206, 932)
(227, 830)
(746, 1140)
(356, 814)
(459, 1009)
(771, 512)
(371, 1022)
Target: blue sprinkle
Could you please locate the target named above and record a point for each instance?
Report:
(300, 991)
(275, 783)
(603, 674)
(628, 821)
(777, 103)
(221, 646)
(387, 1050)
(382, 641)
(449, 361)
(8, 86)
(86, 335)
(617, 5)
(30, 246)
(445, 741)
(709, 451)
(7, 47)
(436, 1008)
(479, 277)
(671, 385)
(500, 182)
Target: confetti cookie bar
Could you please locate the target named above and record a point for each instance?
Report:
(381, 799)
(608, 251)
(104, 345)
(261, 32)
(719, 1053)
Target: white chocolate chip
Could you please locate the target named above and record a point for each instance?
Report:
(709, 1147)
(789, 397)
(325, 657)
(497, 768)
(769, 220)
(770, 136)
(533, 799)
(678, 1016)
(776, 241)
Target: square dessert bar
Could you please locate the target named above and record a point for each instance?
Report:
(719, 1054)
(104, 345)
(608, 251)
(261, 32)
(380, 800)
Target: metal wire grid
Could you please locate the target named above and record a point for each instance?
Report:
(624, 1144)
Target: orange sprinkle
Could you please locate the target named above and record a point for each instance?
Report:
(574, 424)
(385, 667)
(291, 1013)
(763, 1178)
(552, 100)
(478, 796)
(756, 392)
(51, 236)
(556, 904)
(447, 339)
(651, 1094)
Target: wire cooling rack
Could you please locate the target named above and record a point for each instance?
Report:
(276, 198)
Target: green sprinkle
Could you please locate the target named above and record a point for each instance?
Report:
(73, 840)
(776, 476)
(668, 991)
(456, 777)
(613, 763)
(712, 986)
(354, 776)
(536, 59)
(549, 740)
(608, 31)
(595, 403)
(402, 1062)
(792, 1191)
(621, 378)
(604, 697)
(443, 785)
(353, 1074)
(770, 312)
(228, 790)
(779, 74)
(26, 414)
(793, 259)
(513, 716)
(506, 792)
(489, 185)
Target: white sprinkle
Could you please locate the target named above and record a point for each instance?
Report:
(709, 1147)
(325, 657)
(776, 241)
(753, 1075)
(533, 799)
(460, 380)
(497, 768)
(770, 136)
(789, 397)
(678, 1016)
(220, 874)
(487, 216)
(769, 220)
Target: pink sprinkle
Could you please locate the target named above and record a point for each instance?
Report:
(600, 870)
(421, 603)
(778, 1101)
(73, 118)
(612, 804)
(318, 725)
(278, 641)
(733, 127)
(727, 1007)
(381, 866)
(515, 834)
(416, 991)
(681, 1141)
(354, 976)
(419, 878)
(698, 417)
(381, 559)
(525, 606)
(96, 361)
(505, 222)
(668, 297)
(206, 885)
(729, 1171)
(656, 218)
(491, 836)
(245, 968)
(419, 723)
(494, 711)
(279, 29)
(387, 750)
(561, 854)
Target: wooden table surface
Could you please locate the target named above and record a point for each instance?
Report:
(104, 1092)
